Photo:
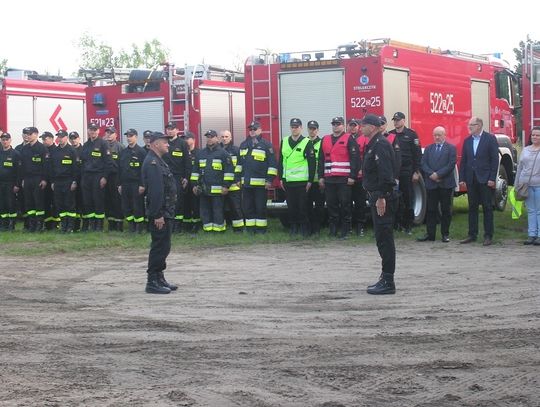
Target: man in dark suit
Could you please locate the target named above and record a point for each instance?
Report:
(438, 163)
(478, 171)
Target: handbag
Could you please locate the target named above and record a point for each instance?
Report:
(521, 191)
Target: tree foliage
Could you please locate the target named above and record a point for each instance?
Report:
(3, 67)
(98, 55)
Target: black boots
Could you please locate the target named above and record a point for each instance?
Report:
(158, 285)
(132, 227)
(332, 230)
(177, 226)
(164, 283)
(385, 285)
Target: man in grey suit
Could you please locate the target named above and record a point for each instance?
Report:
(438, 163)
(478, 171)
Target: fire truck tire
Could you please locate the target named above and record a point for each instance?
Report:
(419, 201)
(501, 190)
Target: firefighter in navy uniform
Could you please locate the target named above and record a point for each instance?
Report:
(75, 142)
(338, 169)
(178, 161)
(65, 168)
(96, 164)
(296, 169)
(113, 200)
(131, 188)
(33, 156)
(233, 200)
(160, 187)
(409, 170)
(192, 217)
(214, 173)
(392, 139)
(378, 178)
(51, 214)
(315, 204)
(358, 193)
(10, 181)
(146, 138)
(257, 168)
(20, 194)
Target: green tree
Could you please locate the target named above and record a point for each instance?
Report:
(3, 67)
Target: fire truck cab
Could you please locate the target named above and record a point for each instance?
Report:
(431, 86)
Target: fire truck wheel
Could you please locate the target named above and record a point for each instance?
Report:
(419, 201)
(501, 190)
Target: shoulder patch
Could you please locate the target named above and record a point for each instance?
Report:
(153, 162)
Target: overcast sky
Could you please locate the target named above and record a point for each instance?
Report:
(42, 35)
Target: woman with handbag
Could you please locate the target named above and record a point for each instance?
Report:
(528, 185)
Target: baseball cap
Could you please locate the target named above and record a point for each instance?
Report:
(110, 130)
(46, 134)
(61, 133)
(355, 122)
(312, 124)
(92, 126)
(147, 133)
(210, 133)
(254, 125)
(338, 119)
(383, 119)
(171, 125)
(30, 130)
(5, 135)
(189, 134)
(73, 135)
(296, 122)
(131, 132)
(371, 119)
(398, 116)
(156, 135)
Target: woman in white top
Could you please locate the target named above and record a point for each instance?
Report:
(529, 172)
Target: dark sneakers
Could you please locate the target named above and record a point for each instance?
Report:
(530, 241)
(154, 287)
(468, 239)
(383, 286)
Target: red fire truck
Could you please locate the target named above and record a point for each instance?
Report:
(432, 87)
(49, 106)
(197, 98)
(531, 87)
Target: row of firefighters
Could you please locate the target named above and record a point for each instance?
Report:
(71, 186)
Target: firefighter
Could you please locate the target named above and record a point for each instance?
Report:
(178, 161)
(33, 156)
(233, 200)
(20, 194)
(113, 201)
(257, 168)
(75, 141)
(315, 204)
(131, 188)
(51, 214)
(378, 178)
(191, 202)
(338, 169)
(409, 170)
(395, 145)
(64, 175)
(96, 164)
(146, 138)
(160, 189)
(359, 208)
(214, 173)
(10, 181)
(296, 171)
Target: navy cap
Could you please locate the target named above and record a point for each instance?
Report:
(383, 120)
(171, 125)
(398, 116)
(371, 119)
(61, 133)
(312, 124)
(355, 122)
(131, 132)
(147, 133)
(156, 135)
(92, 126)
(189, 134)
(338, 119)
(210, 133)
(296, 122)
(5, 135)
(73, 135)
(46, 134)
(30, 130)
(110, 130)
(254, 125)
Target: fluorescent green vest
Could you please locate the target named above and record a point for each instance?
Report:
(295, 165)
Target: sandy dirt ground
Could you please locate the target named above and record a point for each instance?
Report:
(276, 325)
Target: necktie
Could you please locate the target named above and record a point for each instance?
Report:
(438, 148)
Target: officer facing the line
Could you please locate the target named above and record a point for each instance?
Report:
(160, 188)
(378, 171)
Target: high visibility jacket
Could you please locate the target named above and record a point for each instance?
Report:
(337, 161)
(316, 148)
(295, 163)
(257, 164)
(212, 170)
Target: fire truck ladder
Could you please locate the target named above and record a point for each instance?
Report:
(533, 70)
(265, 84)
(178, 91)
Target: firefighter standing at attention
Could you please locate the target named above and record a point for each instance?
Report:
(233, 200)
(113, 200)
(378, 170)
(257, 168)
(10, 179)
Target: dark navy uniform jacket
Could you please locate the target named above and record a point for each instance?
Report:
(378, 168)
(160, 187)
